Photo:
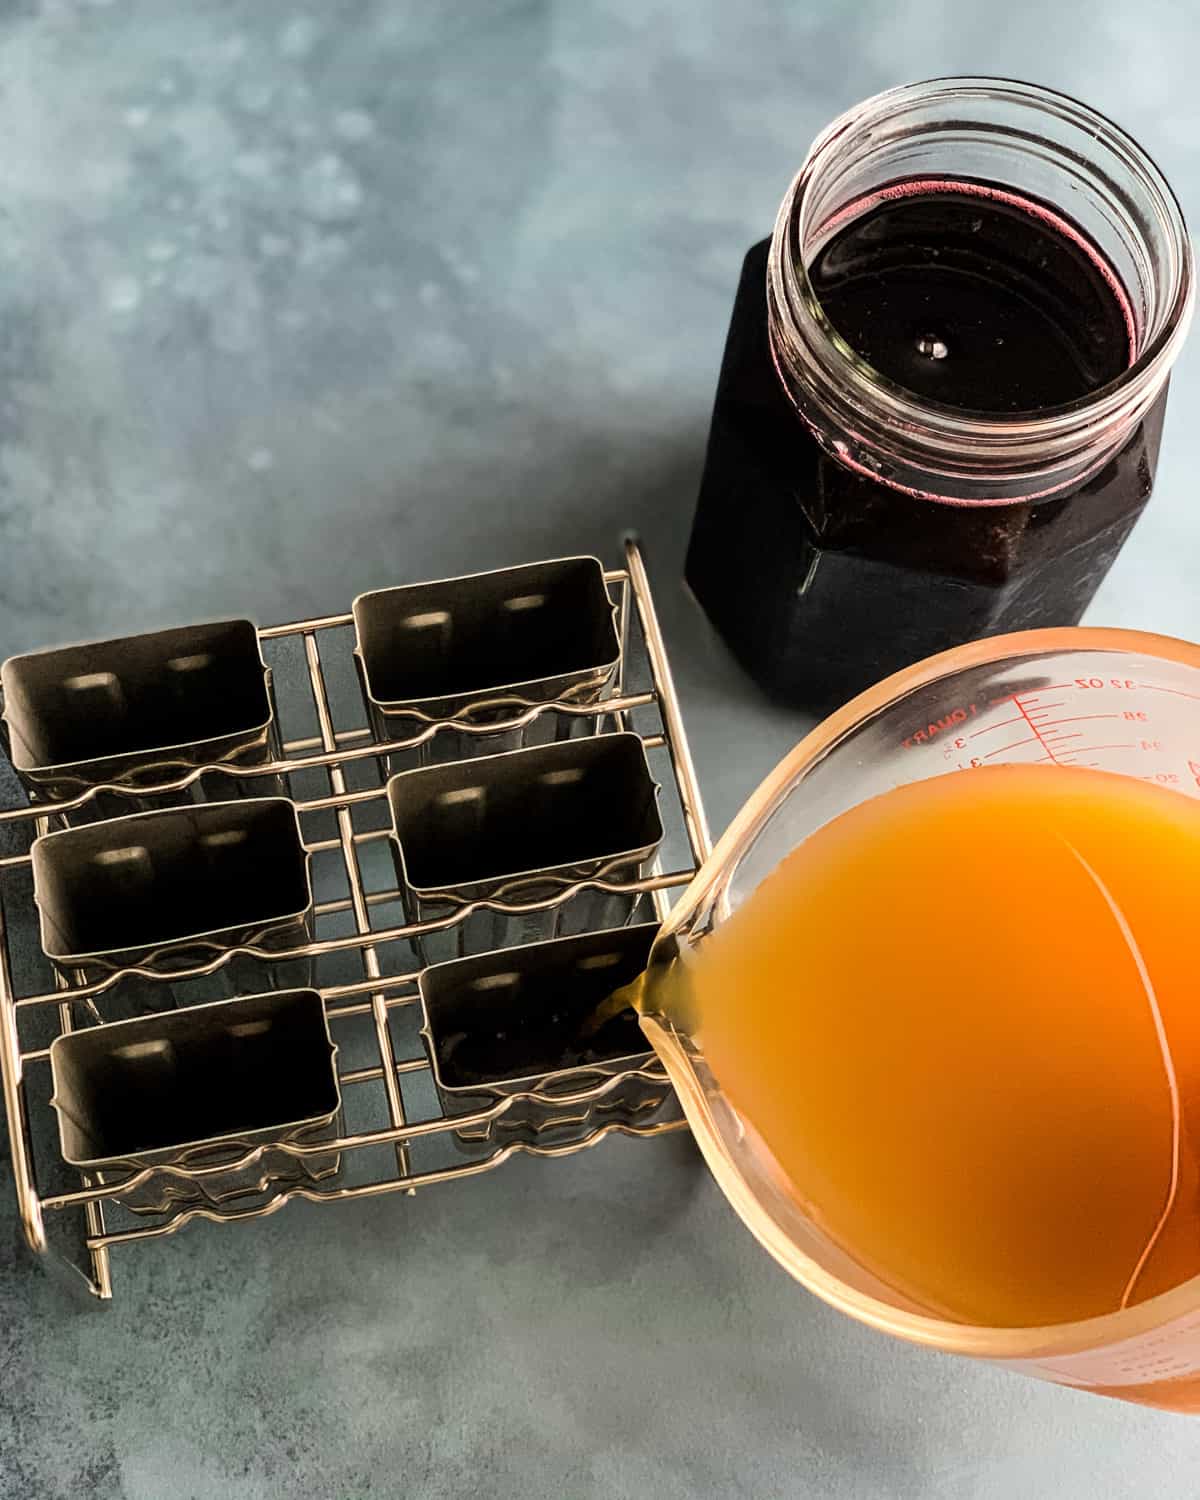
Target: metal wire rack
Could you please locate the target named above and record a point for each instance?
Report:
(393, 1135)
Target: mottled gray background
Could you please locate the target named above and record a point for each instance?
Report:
(298, 302)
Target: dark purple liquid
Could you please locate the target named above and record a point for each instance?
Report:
(980, 302)
(822, 580)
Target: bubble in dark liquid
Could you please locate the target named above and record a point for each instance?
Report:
(932, 347)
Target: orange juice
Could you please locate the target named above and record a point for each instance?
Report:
(965, 1019)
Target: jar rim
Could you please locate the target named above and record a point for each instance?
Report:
(1035, 435)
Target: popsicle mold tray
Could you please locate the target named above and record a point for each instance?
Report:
(320, 910)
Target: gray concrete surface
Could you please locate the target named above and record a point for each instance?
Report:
(298, 302)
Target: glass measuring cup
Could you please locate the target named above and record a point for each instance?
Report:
(1120, 701)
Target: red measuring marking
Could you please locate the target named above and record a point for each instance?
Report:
(1177, 692)
(975, 733)
(1003, 748)
(1078, 719)
(1037, 733)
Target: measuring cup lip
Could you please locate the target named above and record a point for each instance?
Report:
(1020, 643)
(1028, 1343)
(874, 700)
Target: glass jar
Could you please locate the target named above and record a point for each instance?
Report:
(861, 510)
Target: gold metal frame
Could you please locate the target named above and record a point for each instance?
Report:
(379, 995)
